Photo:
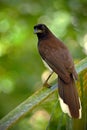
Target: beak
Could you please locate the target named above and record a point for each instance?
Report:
(37, 31)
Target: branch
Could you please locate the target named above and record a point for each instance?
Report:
(33, 101)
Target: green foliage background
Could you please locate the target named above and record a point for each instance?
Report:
(21, 67)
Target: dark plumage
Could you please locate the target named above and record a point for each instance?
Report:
(57, 56)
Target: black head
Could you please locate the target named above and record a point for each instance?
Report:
(41, 30)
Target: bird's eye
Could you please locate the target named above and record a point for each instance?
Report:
(42, 27)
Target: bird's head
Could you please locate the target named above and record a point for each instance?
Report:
(41, 30)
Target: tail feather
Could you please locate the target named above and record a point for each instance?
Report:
(69, 100)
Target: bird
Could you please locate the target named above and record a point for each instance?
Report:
(57, 56)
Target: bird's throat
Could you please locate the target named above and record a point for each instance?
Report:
(42, 36)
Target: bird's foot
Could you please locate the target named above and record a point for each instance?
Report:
(46, 85)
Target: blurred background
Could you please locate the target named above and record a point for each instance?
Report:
(21, 68)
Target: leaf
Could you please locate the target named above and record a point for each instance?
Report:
(33, 101)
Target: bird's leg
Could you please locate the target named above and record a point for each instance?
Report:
(46, 82)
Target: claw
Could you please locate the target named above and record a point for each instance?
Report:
(46, 85)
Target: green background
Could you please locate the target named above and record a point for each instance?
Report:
(21, 68)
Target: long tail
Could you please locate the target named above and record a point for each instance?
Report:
(68, 97)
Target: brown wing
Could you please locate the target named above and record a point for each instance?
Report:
(59, 59)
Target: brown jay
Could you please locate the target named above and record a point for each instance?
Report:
(59, 59)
